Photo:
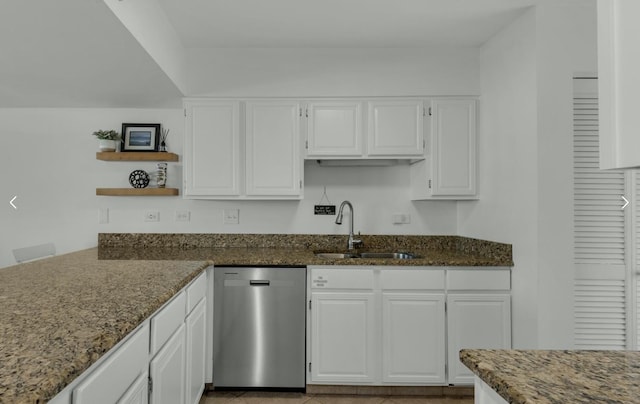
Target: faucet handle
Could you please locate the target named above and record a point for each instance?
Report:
(357, 242)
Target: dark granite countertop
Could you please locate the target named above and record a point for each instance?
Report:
(61, 314)
(298, 249)
(557, 376)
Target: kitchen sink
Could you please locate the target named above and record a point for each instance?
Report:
(367, 255)
(337, 255)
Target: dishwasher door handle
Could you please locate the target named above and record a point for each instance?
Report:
(259, 282)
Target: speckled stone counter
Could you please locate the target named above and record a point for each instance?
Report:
(286, 249)
(559, 377)
(60, 314)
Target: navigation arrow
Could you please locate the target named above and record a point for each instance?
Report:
(626, 202)
(11, 202)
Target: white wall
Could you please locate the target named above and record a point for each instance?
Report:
(507, 210)
(567, 38)
(526, 162)
(276, 72)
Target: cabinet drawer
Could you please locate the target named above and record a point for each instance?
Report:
(341, 278)
(479, 279)
(166, 321)
(114, 376)
(412, 279)
(196, 291)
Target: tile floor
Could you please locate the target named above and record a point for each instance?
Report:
(260, 397)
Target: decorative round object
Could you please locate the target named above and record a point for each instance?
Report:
(139, 179)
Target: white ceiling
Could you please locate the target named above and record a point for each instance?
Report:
(339, 23)
(76, 53)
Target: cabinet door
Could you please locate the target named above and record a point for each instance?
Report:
(138, 393)
(212, 157)
(342, 337)
(618, 82)
(453, 147)
(334, 128)
(395, 128)
(112, 379)
(195, 353)
(167, 371)
(273, 148)
(413, 338)
(476, 321)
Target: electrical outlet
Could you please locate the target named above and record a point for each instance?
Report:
(152, 216)
(231, 216)
(183, 216)
(401, 218)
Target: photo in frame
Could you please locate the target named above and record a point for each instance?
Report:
(140, 137)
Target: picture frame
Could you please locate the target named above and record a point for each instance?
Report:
(140, 137)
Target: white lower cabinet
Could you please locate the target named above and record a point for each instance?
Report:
(121, 369)
(138, 393)
(403, 325)
(343, 332)
(478, 316)
(195, 353)
(377, 326)
(167, 370)
(413, 342)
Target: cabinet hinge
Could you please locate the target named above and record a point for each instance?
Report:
(185, 112)
(306, 112)
(309, 304)
(309, 366)
(306, 144)
(429, 111)
(445, 306)
(150, 385)
(429, 184)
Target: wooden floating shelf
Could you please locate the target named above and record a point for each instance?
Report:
(137, 191)
(136, 156)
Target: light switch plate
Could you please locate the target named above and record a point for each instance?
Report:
(231, 216)
(183, 216)
(152, 216)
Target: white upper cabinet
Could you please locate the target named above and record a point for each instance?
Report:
(242, 149)
(618, 82)
(395, 128)
(273, 148)
(365, 129)
(334, 128)
(212, 148)
(449, 170)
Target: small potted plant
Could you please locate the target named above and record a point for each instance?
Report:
(107, 139)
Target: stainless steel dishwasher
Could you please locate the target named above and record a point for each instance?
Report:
(259, 327)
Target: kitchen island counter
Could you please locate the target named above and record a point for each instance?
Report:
(558, 376)
(61, 314)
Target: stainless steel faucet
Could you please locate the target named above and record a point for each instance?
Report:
(352, 242)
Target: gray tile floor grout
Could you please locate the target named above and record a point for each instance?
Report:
(258, 397)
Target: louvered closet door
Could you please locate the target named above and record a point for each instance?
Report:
(599, 236)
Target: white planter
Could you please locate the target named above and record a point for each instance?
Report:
(107, 145)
